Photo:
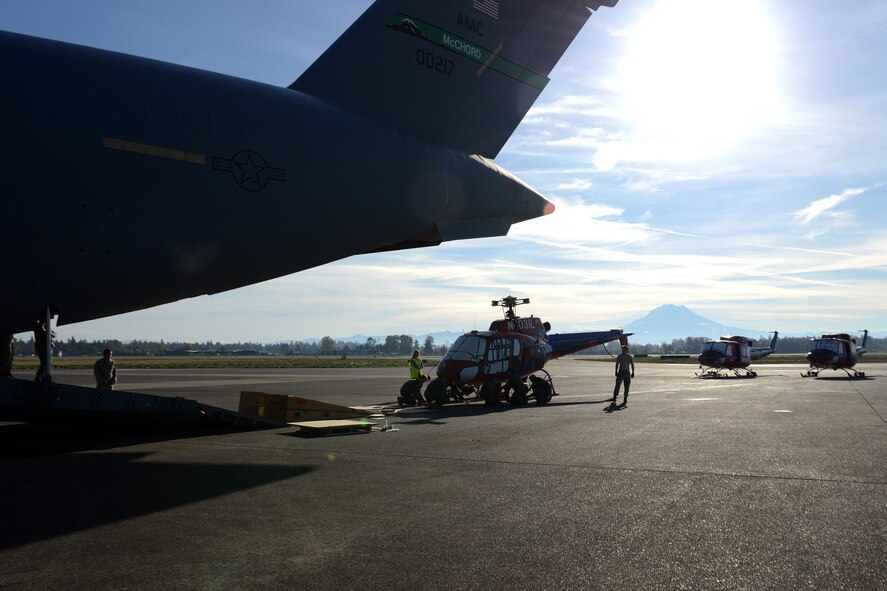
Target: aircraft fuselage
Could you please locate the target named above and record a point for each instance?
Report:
(167, 182)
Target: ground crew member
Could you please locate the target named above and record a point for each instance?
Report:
(6, 353)
(624, 373)
(40, 337)
(416, 366)
(105, 371)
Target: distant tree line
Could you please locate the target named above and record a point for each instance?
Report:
(392, 345)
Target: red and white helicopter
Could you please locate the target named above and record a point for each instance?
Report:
(732, 353)
(835, 351)
(505, 363)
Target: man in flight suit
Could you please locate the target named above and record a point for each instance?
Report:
(624, 373)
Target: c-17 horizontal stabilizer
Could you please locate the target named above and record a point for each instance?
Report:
(460, 75)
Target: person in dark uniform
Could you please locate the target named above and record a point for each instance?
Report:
(40, 337)
(6, 354)
(105, 371)
(624, 373)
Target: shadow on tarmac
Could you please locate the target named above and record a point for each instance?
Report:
(731, 377)
(434, 416)
(604, 401)
(613, 407)
(47, 497)
(427, 416)
(56, 478)
(845, 378)
(24, 440)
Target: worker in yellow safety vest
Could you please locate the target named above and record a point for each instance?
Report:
(416, 366)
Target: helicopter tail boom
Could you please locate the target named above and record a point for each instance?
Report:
(860, 350)
(564, 344)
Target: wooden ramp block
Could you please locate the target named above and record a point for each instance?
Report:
(332, 427)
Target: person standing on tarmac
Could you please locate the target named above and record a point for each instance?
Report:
(40, 337)
(416, 366)
(6, 354)
(105, 371)
(624, 373)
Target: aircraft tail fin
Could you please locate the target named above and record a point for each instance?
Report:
(459, 75)
(865, 337)
(761, 352)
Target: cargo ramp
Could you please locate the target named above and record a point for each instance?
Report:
(26, 401)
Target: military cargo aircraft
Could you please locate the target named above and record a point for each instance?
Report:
(501, 364)
(137, 183)
(835, 351)
(732, 353)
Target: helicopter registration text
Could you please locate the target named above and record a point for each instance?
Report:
(521, 324)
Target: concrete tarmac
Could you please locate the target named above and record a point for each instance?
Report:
(776, 482)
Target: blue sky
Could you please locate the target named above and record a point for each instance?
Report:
(730, 157)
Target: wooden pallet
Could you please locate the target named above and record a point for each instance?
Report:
(333, 427)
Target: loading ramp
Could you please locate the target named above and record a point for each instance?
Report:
(26, 401)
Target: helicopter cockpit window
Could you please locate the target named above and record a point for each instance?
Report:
(716, 347)
(827, 344)
(516, 351)
(467, 348)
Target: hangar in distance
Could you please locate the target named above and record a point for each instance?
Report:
(137, 182)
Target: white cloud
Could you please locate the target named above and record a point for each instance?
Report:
(820, 206)
(574, 185)
(580, 224)
(574, 105)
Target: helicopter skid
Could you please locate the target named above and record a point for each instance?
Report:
(717, 373)
(813, 372)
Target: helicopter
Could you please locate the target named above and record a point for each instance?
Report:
(506, 363)
(732, 353)
(835, 351)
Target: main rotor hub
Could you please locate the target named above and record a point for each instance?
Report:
(509, 303)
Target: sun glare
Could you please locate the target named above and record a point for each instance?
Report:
(699, 74)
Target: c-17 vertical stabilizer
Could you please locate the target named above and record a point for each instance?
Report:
(460, 75)
(155, 182)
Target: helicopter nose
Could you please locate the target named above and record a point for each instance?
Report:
(821, 358)
(708, 358)
(459, 371)
(468, 373)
